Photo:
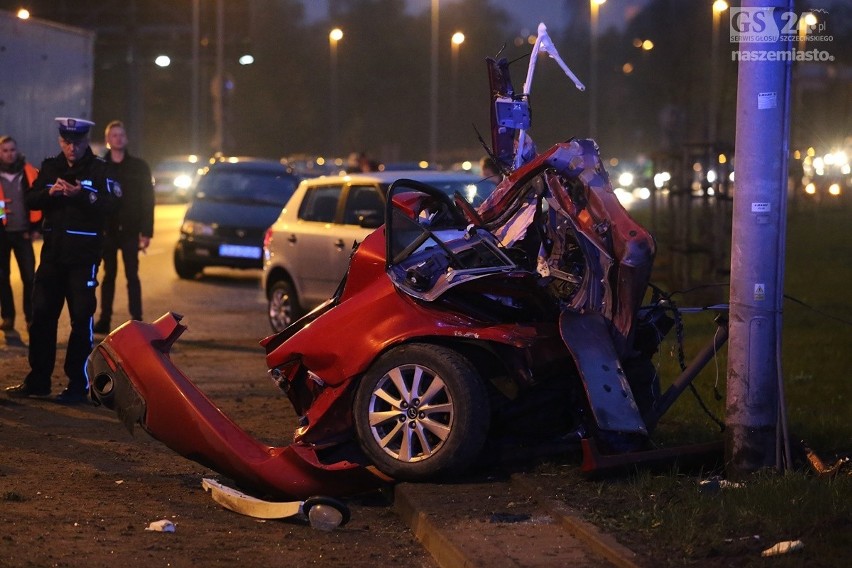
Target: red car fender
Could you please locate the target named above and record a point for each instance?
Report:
(149, 389)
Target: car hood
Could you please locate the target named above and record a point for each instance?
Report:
(254, 215)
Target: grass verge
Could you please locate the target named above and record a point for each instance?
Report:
(667, 517)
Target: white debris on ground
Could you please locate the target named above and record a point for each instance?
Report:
(163, 525)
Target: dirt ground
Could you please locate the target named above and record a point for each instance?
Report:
(77, 489)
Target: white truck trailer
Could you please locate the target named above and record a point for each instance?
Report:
(46, 70)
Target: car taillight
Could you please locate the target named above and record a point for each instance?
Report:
(267, 238)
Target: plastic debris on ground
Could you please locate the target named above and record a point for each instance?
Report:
(163, 525)
(716, 484)
(783, 547)
(820, 467)
(742, 538)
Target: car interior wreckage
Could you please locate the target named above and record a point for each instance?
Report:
(454, 326)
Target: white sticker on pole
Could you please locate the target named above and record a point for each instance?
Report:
(759, 207)
(767, 100)
(759, 292)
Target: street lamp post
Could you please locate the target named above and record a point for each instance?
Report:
(719, 6)
(455, 44)
(593, 71)
(218, 87)
(334, 36)
(433, 96)
(196, 65)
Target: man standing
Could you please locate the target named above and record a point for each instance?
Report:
(76, 195)
(17, 227)
(129, 229)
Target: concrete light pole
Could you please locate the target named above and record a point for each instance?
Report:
(719, 6)
(455, 44)
(755, 405)
(433, 97)
(195, 95)
(334, 36)
(218, 86)
(593, 70)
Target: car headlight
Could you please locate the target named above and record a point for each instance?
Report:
(625, 179)
(195, 228)
(183, 181)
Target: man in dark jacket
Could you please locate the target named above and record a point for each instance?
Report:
(18, 226)
(76, 194)
(129, 229)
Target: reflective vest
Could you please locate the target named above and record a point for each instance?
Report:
(31, 173)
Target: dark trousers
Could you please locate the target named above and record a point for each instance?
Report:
(54, 285)
(129, 247)
(20, 243)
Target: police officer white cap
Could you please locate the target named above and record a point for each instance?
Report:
(73, 128)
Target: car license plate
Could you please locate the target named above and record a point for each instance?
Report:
(239, 251)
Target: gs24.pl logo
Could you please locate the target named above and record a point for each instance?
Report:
(753, 25)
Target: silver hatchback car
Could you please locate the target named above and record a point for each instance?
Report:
(306, 251)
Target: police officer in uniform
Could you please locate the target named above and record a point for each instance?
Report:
(76, 194)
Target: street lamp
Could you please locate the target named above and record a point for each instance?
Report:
(433, 95)
(334, 36)
(195, 90)
(806, 21)
(455, 44)
(218, 86)
(719, 6)
(593, 72)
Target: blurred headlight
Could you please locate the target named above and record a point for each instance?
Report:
(183, 181)
(625, 179)
(642, 193)
(834, 189)
(661, 179)
(197, 229)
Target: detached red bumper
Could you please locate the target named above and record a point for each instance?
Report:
(131, 372)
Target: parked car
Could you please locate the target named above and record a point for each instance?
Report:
(307, 250)
(174, 178)
(235, 202)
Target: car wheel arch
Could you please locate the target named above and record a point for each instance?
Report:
(283, 304)
(276, 274)
(476, 418)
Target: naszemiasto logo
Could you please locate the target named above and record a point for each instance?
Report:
(759, 25)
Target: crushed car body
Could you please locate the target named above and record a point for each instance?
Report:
(454, 329)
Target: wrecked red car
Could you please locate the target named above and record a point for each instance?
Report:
(456, 331)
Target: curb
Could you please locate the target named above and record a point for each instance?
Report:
(547, 530)
(601, 543)
(427, 532)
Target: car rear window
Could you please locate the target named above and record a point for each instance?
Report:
(249, 186)
(320, 204)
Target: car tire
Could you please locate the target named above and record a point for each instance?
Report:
(283, 307)
(409, 437)
(186, 270)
